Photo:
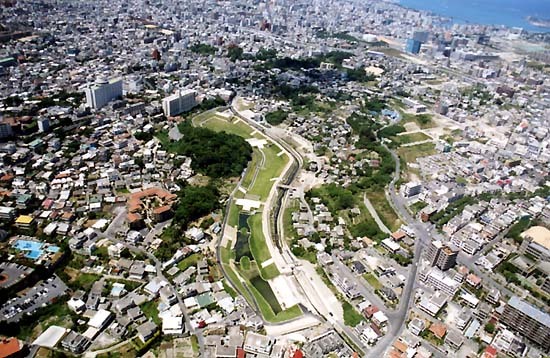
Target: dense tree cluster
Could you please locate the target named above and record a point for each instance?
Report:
(211, 103)
(215, 154)
(334, 197)
(195, 202)
(235, 53)
(276, 117)
(203, 49)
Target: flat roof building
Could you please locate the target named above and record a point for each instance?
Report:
(527, 320)
(180, 102)
(256, 343)
(536, 242)
(102, 92)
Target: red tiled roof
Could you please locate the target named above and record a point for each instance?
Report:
(9, 346)
(490, 352)
(241, 353)
(298, 354)
(438, 329)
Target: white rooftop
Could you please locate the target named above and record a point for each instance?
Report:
(50, 337)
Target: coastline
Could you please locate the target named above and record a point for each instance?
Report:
(451, 15)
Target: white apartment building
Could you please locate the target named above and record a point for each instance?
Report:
(180, 102)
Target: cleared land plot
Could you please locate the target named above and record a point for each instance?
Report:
(410, 154)
(351, 317)
(189, 261)
(422, 120)
(410, 138)
(373, 281)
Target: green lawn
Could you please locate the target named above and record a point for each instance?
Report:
(233, 216)
(410, 154)
(259, 248)
(225, 253)
(189, 261)
(351, 317)
(373, 281)
(195, 343)
(416, 207)
(384, 210)
(84, 281)
(245, 263)
(151, 311)
(219, 124)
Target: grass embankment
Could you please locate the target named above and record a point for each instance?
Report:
(272, 168)
(266, 165)
(384, 209)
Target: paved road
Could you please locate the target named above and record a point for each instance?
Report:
(397, 319)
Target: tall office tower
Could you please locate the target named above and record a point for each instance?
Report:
(441, 255)
(102, 92)
(5, 129)
(529, 321)
(43, 124)
(413, 46)
(421, 36)
(180, 102)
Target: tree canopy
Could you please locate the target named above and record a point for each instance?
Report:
(215, 154)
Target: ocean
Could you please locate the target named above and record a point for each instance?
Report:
(512, 13)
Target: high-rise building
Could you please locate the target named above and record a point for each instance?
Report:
(180, 102)
(5, 130)
(441, 255)
(527, 320)
(421, 36)
(413, 46)
(43, 124)
(102, 92)
(412, 189)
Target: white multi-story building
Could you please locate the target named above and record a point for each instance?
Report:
(102, 92)
(180, 102)
(442, 282)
